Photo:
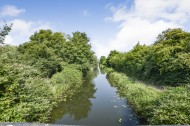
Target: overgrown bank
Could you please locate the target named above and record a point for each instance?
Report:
(166, 62)
(39, 74)
(169, 106)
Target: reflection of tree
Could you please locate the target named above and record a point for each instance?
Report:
(79, 105)
(102, 69)
(111, 81)
(120, 90)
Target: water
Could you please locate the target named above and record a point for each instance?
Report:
(97, 103)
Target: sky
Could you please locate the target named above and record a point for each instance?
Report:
(110, 24)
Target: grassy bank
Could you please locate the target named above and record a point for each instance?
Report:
(168, 106)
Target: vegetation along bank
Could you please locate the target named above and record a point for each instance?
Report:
(37, 75)
(165, 63)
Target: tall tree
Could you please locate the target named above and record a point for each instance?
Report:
(78, 50)
(44, 50)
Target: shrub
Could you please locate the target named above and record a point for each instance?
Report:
(173, 107)
(65, 81)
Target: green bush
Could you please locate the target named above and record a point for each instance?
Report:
(64, 82)
(25, 96)
(173, 107)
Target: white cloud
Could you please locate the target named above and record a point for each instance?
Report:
(8, 39)
(99, 48)
(22, 30)
(10, 10)
(169, 10)
(145, 19)
(138, 30)
(119, 13)
(85, 13)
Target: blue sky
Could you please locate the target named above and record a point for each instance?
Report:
(110, 24)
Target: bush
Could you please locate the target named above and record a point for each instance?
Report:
(173, 107)
(27, 97)
(67, 80)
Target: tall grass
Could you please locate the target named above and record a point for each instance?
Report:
(169, 106)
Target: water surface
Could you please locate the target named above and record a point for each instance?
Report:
(96, 103)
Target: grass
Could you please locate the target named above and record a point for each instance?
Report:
(168, 106)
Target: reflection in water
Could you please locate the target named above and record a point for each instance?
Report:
(102, 70)
(80, 105)
(95, 104)
(119, 91)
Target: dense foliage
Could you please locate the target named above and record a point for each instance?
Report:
(37, 75)
(166, 61)
(49, 51)
(77, 51)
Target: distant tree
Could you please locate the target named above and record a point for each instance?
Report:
(78, 51)
(166, 61)
(103, 60)
(4, 31)
(111, 58)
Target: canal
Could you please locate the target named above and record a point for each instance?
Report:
(96, 103)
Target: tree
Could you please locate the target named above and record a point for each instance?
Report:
(44, 51)
(103, 60)
(135, 60)
(78, 51)
(4, 31)
(167, 61)
(170, 55)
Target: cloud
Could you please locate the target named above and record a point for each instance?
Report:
(99, 48)
(168, 10)
(85, 13)
(144, 20)
(22, 30)
(10, 10)
(138, 30)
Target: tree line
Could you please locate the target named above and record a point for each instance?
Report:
(167, 61)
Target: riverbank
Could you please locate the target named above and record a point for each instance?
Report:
(169, 106)
(32, 98)
(37, 75)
